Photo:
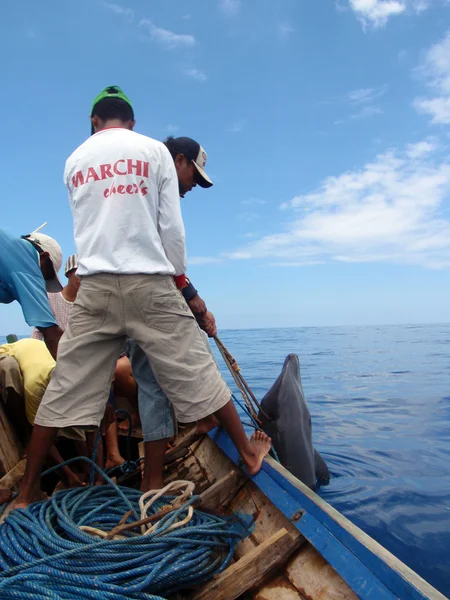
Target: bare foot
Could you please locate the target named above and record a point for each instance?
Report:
(206, 424)
(5, 496)
(27, 497)
(113, 461)
(260, 444)
(74, 481)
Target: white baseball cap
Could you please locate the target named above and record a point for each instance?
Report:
(45, 243)
(196, 153)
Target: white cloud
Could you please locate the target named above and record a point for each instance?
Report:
(366, 95)
(419, 149)
(364, 99)
(248, 217)
(437, 108)
(171, 129)
(167, 38)
(195, 74)
(237, 126)
(285, 30)
(230, 7)
(203, 260)
(254, 201)
(391, 210)
(378, 12)
(119, 10)
(366, 112)
(435, 70)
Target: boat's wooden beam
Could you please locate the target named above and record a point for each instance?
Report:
(220, 493)
(181, 448)
(9, 444)
(13, 476)
(251, 569)
(178, 451)
(310, 573)
(279, 588)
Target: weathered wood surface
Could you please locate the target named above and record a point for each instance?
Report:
(13, 476)
(251, 569)
(219, 494)
(278, 588)
(311, 575)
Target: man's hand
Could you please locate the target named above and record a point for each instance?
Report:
(208, 324)
(51, 335)
(198, 306)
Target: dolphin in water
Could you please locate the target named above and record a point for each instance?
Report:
(289, 425)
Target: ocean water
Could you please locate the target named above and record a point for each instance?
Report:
(379, 399)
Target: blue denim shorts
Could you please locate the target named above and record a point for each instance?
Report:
(155, 409)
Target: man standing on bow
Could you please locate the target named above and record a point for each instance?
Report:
(130, 240)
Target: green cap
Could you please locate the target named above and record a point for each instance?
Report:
(112, 91)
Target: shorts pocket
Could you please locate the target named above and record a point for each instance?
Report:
(161, 311)
(88, 312)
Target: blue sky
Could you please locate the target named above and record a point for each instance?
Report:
(327, 131)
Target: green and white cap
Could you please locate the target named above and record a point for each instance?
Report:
(112, 91)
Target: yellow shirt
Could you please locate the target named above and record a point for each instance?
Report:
(36, 364)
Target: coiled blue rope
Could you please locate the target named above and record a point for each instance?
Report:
(45, 554)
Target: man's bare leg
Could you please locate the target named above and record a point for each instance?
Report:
(41, 440)
(113, 456)
(252, 451)
(125, 386)
(206, 424)
(154, 453)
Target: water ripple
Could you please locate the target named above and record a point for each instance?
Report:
(380, 407)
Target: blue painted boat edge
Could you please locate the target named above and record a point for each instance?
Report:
(286, 492)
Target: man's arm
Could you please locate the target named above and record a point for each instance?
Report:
(170, 221)
(30, 292)
(197, 305)
(51, 336)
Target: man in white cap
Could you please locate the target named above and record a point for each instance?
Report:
(29, 268)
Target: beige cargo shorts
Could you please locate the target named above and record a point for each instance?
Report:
(149, 308)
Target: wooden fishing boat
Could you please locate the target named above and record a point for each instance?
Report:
(300, 548)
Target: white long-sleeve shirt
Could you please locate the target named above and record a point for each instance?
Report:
(124, 196)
